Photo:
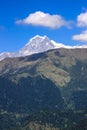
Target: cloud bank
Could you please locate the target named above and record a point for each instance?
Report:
(82, 20)
(44, 19)
(81, 37)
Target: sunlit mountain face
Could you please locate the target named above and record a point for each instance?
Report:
(37, 44)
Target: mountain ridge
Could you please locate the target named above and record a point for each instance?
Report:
(37, 44)
(50, 64)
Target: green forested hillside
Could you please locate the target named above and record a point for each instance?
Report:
(46, 91)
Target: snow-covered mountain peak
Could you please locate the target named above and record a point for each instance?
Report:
(38, 44)
(37, 39)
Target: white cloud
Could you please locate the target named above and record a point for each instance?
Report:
(82, 20)
(81, 37)
(44, 19)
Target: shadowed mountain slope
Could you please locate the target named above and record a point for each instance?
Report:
(54, 81)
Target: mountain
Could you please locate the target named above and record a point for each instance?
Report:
(65, 69)
(37, 44)
(6, 54)
(46, 90)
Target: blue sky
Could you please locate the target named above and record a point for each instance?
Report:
(63, 21)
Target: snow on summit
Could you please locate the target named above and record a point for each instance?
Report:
(37, 44)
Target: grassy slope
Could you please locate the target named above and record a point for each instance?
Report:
(54, 65)
(66, 68)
